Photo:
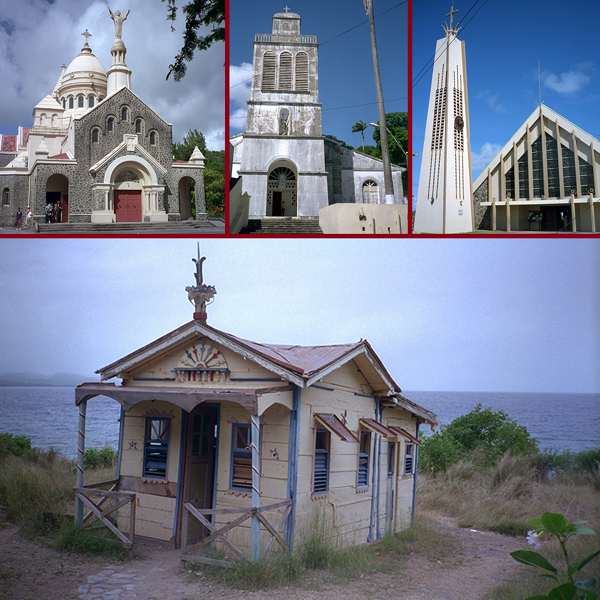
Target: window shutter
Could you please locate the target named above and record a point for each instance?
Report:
(285, 71)
(268, 76)
(321, 471)
(302, 72)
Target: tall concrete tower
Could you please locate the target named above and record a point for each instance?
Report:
(444, 200)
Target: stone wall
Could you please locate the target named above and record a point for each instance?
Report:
(482, 215)
(18, 186)
(7, 157)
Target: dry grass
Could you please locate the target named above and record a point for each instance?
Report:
(503, 498)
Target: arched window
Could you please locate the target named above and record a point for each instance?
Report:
(138, 126)
(268, 77)
(6, 196)
(71, 104)
(285, 71)
(124, 114)
(95, 135)
(302, 72)
(110, 126)
(80, 102)
(284, 122)
(153, 138)
(370, 192)
(64, 104)
(91, 101)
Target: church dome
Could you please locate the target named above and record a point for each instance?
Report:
(282, 15)
(85, 62)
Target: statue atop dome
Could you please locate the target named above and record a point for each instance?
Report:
(118, 19)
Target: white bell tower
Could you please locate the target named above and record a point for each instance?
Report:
(444, 200)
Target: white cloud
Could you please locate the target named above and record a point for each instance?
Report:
(240, 82)
(480, 160)
(37, 37)
(492, 101)
(569, 82)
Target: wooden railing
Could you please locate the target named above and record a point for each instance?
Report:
(216, 534)
(106, 515)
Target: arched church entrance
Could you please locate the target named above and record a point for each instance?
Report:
(57, 193)
(282, 190)
(370, 192)
(127, 196)
(186, 189)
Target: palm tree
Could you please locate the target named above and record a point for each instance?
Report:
(360, 126)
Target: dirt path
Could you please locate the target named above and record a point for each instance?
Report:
(478, 562)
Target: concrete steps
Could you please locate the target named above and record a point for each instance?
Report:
(283, 226)
(121, 227)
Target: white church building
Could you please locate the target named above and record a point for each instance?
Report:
(98, 151)
(287, 169)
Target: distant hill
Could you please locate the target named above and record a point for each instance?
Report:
(37, 380)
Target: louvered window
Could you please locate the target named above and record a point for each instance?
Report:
(363, 458)
(268, 76)
(391, 458)
(241, 457)
(321, 473)
(408, 463)
(156, 447)
(285, 71)
(302, 72)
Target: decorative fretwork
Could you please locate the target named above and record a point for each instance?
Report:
(268, 74)
(302, 72)
(370, 192)
(281, 175)
(202, 362)
(285, 71)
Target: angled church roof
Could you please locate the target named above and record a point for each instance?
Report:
(530, 122)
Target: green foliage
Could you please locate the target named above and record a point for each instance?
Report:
(556, 525)
(487, 433)
(198, 13)
(214, 181)
(10, 444)
(332, 137)
(99, 459)
(99, 542)
(360, 126)
(397, 125)
(183, 150)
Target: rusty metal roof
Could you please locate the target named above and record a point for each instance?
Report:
(376, 427)
(404, 433)
(335, 425)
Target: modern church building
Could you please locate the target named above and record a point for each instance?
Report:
(98, 151)
(287, 167)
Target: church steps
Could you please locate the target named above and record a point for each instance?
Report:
(120, 227)
(283, 227)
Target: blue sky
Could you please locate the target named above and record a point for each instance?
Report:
(504, 42)
(452, 314)
(37, 36)
(346, 76)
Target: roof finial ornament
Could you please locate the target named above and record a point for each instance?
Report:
(286, 9)
(200, 295)
(86, 34)
(451, 30)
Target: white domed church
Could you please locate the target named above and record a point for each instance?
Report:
(98, 151)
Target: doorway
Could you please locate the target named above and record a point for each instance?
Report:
(128, 206)
(199, 466)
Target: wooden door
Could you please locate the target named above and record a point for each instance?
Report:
(65, 208)
(199, 466)
(128, 206)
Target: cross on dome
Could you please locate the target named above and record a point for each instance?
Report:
(86, 34)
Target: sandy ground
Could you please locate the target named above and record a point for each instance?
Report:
(478, 562)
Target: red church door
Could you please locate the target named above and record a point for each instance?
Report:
(65, 209)
(128, 206)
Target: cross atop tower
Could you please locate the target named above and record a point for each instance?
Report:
(286, 9)
(86, 34)
(451, 30)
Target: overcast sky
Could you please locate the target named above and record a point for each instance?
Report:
(503, 43)
(346, 78)
(38, 36)
(454, 315)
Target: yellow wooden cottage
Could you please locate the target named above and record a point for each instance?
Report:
(245, 444)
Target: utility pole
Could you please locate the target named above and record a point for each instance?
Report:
(385, 149)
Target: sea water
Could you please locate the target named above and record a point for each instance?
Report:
(49, 417)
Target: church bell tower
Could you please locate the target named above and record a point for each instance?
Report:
(444, 201)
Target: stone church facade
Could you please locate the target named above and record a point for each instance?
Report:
(287, 167)
(98, 151)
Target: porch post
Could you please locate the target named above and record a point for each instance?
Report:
(255, 527)
(80, 455)
(379, 419)
(294, 442)
(415, 471)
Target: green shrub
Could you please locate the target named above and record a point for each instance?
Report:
(489, 433)
(587, 461)
(96, 541)
(99, 459)
(13, 445)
